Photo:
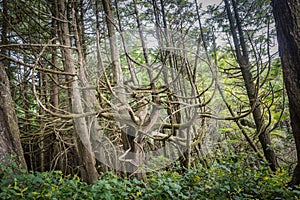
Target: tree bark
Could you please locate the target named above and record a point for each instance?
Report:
(131, 136)
(4, 38)
(88, 168)
(245, 66)
(287, 18)
(10, 144)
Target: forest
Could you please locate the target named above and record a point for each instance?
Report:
(153, 99)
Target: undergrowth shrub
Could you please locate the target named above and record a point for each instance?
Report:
(227, 178)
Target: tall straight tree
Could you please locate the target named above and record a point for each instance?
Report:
(10, 145)
(88, 170)
(242, 56)
(287, 17)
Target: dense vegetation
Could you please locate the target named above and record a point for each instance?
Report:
(232, 177)
(155, 99)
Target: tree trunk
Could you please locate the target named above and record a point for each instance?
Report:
(10, 144)
(131, 138)
(245, 66)
(287, 18)
(88, 169)
(4, 38)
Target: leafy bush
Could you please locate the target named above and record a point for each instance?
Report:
(228, 178)
(50, 185)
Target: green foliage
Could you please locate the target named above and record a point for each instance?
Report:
(110, 186)
(50, 185)
(232, 177)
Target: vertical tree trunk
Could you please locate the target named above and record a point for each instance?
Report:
(287, 18)
(4, 39)
(43, 94)
(10, 144)
(245, 66)
(54, 93)
(115, 58)
(128, 133)
(131, 137)
(88, 169)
